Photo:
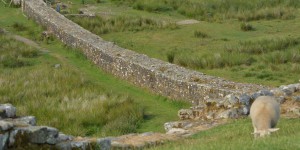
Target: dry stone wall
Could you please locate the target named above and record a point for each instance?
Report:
(160, 77)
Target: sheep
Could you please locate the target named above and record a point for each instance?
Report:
(264, 112)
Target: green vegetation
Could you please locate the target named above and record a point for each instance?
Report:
(63, 89)
(218, 45)
(63, 93)
(100, 25)
(237, 135)
(211, 10)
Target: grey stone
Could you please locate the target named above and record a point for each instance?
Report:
(244, 110)
(280, 99)
(83, 145)
(36, 134)
(7, 111)
(4, 141)
(104, 143)
(4, 125)
(244, 99)
(230, 113)
(31, 120)
(277, 92)
(57, 66)
(288, 89)
(297, 86)
(12, 137)
(266, 93)
(291, 87)
(296, 98)
(255, 95)
(177, 131)
(52, 135)
(64, 146)
(62, 137)
(176, 124)
(232, 99)
(147, 134)
(185, 114)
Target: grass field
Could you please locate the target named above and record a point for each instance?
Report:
(76, 97)
(237, 135)
(253, 42)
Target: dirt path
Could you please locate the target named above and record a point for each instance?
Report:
(24, 40)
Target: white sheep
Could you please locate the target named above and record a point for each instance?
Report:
(264, 112)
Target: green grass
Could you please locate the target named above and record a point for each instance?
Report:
(218, 47)
(237, 135)
(77, 98)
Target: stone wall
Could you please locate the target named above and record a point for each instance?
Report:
(160, 77)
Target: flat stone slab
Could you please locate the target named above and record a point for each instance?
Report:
(186, 22)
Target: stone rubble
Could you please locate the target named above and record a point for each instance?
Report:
(236, 106)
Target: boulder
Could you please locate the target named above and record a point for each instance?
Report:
(7, 111)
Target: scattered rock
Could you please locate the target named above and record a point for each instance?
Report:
(7, 111)
(230, 113)
(176, 124)
(104, 143)
(288, 90)
(296, 98)
(4, 126)
(31, 120)
(4, 141)
(63, 138)
(177, 131)
(244, 99)
(232, 99)
(57, 66)
(185, 22)
(277, 92)
(185, 114)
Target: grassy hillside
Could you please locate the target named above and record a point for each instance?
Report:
(254, 42)
(63, 89)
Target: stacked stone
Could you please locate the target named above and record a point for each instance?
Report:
(232, 106)
(235, 106)
(22, 132)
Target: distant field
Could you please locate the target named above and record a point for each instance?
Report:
(254, 42)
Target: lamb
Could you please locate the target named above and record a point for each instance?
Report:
(264, 112)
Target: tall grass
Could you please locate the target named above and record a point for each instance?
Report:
(100, 25)
(13, 55)
(265, 45)
(216, 10)
(63, 97)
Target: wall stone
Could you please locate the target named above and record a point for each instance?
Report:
(158, 76)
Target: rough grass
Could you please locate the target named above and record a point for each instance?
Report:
(63, 97)
(213, 10)
(100, 25)
(237, 135)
